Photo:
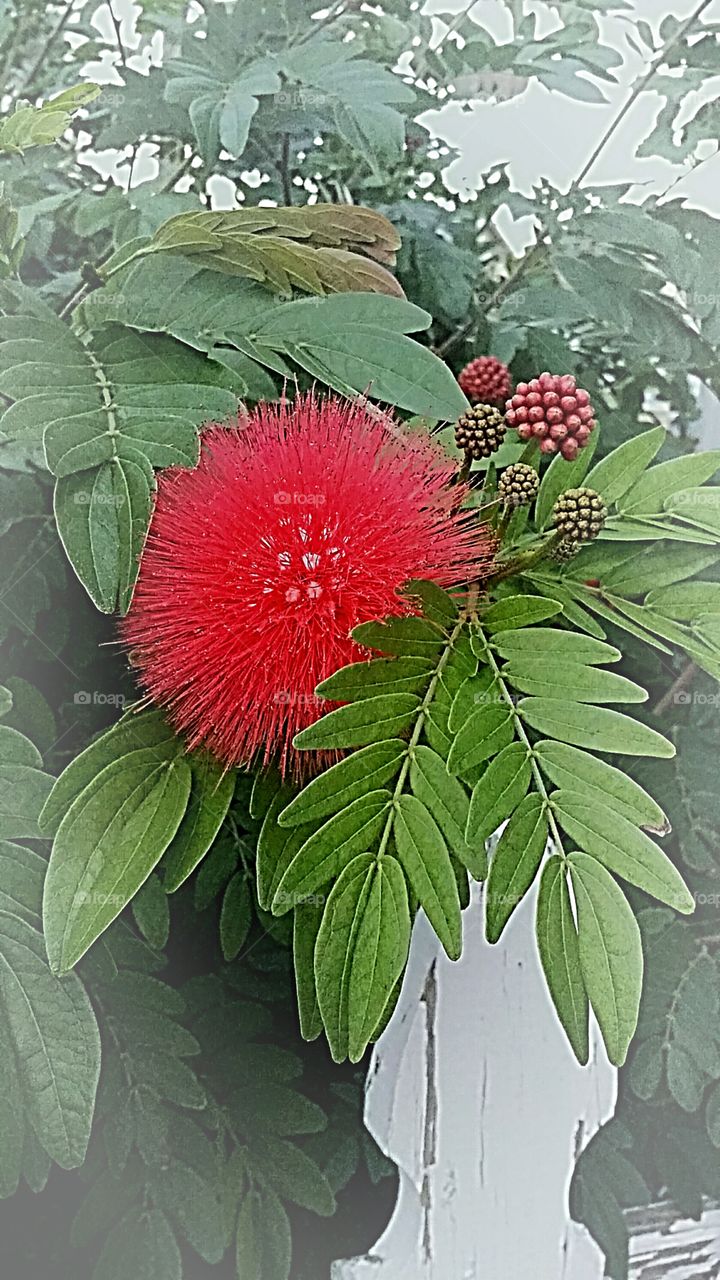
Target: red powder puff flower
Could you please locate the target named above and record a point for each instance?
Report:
(292, 529)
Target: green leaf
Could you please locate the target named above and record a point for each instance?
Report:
(338, 786)
(236, 916)
(411, 637)
(329, 849)
(141, 1245)
(263, 1244)
(109, 841)
(700, 507)
(306, 925)
(572, 681)
(353, 341)
(360, 723)
(313, 249)
(276, 848)
(660, 483)
(498, 792)
(484, 734)
(425, 859)
(435, 603)
(570, 768)
(515, 863)
(381, 945)
(519, 611)
(148, 729)
(712, 1115)
(57, 1043)
(15, 748)
(23, 793)
(447, 801)
(647, 1068)
(12, 1119)
(621, 847)
(335, 949)
(611, 959)
(596, 728)
(686, 601)
(686, 1081)
(559, 951)
(380, 676)
(294, 1175)
(561, 475)
(102, 517)
(618, 472)
(565, 646)
(211, 793)
(29, 126)
(152, 913)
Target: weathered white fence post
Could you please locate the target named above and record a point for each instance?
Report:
(475, 1095)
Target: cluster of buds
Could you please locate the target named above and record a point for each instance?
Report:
(486, 380)
(480, 431)
(553, 410)
(579, 515)
(518, 485)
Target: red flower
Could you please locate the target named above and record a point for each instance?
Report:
(292, 529)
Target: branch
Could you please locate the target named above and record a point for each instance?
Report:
(686, 677)
(533, 254)
(26, 86)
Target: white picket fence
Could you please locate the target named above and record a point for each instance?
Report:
(475, 1095)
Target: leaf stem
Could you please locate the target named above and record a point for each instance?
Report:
(522, 735)
(418, 728)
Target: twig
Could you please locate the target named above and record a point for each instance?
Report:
(686, 677)
(39, 62)
(639, 87)
(283, 168)
(118, 33)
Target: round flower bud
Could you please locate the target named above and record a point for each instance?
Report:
(579, 515)
(480, 431)
(518, 485)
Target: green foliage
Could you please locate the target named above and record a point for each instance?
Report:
(29, 126)
(143, 311)
(411, 837)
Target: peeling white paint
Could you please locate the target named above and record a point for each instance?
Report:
(475, 1095)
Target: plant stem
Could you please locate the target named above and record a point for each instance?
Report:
(522, 735)
(526, 559)
(417, 730)
(118, 33)
(686, 677)
(639, 87)
(39, 62)
(283, 168)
